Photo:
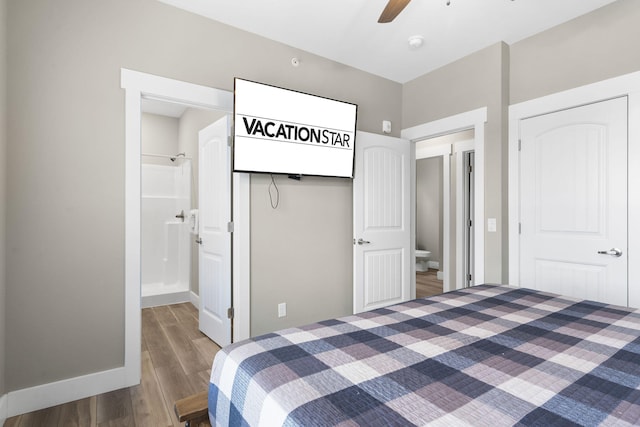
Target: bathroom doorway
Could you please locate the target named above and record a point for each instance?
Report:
(169, 200)
(139, 86)
(445, 200)
(429, 225)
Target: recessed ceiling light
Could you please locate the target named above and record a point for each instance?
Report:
(415, 42)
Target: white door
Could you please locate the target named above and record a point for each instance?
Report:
(381, 225)
(214, 195)
(573, 206)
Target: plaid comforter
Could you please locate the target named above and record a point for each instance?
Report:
(483, 356)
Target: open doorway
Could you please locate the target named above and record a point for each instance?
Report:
(444, 213)
(139, 86)
(429, 226)
(169, 200)
(471, 120)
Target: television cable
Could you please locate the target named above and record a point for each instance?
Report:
(273, 192)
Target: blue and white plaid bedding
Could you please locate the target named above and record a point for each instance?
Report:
(483, 356)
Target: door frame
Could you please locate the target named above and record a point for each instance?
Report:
(626, 85)
(461, 150)
(474, 119)
(138, 85)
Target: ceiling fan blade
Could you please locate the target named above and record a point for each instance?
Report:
(393, 8)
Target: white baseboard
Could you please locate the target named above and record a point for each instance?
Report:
(195, 300)
(3, 409)
(164, 299)
(59, 392)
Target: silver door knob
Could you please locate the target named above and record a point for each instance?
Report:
(613, 252)
(199, 240)
(181, 215)
(363, 242)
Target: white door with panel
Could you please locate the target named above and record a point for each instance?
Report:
(573, 202)
(381, 209)
(214, 178)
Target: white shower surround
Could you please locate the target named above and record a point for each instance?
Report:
(165, 239)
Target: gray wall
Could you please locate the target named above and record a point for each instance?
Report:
(65, 222)
(478, 80)
(3, 199)
(301, 252)
(158, 135)
(429, 207)
(594, 47)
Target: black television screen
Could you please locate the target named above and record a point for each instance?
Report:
(283, 131)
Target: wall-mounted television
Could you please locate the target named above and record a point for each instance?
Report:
(283, 131)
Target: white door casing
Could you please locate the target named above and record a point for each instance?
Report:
(381, 204)
(573, 201)
(214, 230)
(465, 213)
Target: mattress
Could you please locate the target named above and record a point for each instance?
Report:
(483, 356)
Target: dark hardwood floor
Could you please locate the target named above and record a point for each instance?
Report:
(427, 283)
(176, 362)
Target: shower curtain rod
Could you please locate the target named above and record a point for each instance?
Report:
(167, 156)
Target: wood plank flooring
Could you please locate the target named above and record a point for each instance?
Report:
(176, 362)
(427, 283)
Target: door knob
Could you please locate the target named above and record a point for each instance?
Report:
(363, 242)
(181, 215)
(613, 252)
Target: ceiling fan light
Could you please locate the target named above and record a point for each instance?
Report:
(415, 42)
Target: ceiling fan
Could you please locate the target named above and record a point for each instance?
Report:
(393, 8)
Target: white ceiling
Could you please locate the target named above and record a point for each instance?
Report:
(347, 31)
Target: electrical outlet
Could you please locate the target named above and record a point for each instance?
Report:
(282, 309)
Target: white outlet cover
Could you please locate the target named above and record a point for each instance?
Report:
(282, 309)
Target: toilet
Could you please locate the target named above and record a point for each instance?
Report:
(422, 260)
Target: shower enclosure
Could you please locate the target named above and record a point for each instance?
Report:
(165, 232)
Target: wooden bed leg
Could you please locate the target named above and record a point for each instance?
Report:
(193, 409)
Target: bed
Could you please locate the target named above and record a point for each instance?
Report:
(487, 355)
